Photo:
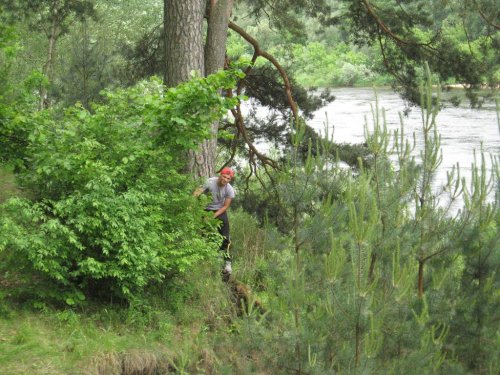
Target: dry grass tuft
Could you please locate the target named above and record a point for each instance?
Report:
(131, 362)
(105, 364)
(141, 362)
(207, 362)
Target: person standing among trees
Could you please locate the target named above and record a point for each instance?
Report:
(222, 195)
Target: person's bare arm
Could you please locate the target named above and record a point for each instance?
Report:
(220, 211)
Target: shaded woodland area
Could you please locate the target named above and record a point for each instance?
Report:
(113, 112)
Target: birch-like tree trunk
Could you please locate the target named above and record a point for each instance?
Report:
(47, 67)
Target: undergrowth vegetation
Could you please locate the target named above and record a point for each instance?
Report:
(107, 267)
(109, 210)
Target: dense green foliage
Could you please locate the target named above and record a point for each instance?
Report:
(17, 98)
(341, 66)
(108, 264)
(109, 210)
(345, 294)
(457, 40)
(335, 265)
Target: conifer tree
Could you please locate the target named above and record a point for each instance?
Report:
(474, 330)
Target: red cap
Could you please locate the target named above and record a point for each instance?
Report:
(228, 171)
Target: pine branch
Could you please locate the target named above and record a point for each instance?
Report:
(258, 52)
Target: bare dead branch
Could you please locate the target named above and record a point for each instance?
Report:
(241, 130)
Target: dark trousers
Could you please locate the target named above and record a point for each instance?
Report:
(224, 231)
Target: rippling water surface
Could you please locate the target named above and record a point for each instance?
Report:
(462, 129)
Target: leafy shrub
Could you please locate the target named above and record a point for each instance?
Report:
(110, 209)
(318, 65)
(351, 74)
(16, 100)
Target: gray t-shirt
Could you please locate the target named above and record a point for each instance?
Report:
(219, 193)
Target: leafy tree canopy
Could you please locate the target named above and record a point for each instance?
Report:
(455, 38)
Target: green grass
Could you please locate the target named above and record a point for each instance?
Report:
(173, 329)
(70, 343)
(105, 339)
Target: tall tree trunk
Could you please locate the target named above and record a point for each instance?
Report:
(47, 67)
(183, 24)
(85, 72)
(202, 161)
(215, 48)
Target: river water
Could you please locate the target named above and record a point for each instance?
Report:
(462, 129)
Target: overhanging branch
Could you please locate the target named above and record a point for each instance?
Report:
(427, 47)
(485, 18)
(259, 52)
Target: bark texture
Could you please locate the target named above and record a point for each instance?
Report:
(185, 52)
(215, 48)
(202, 162)
(183, 24)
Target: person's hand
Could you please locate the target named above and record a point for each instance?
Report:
(198, 192)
